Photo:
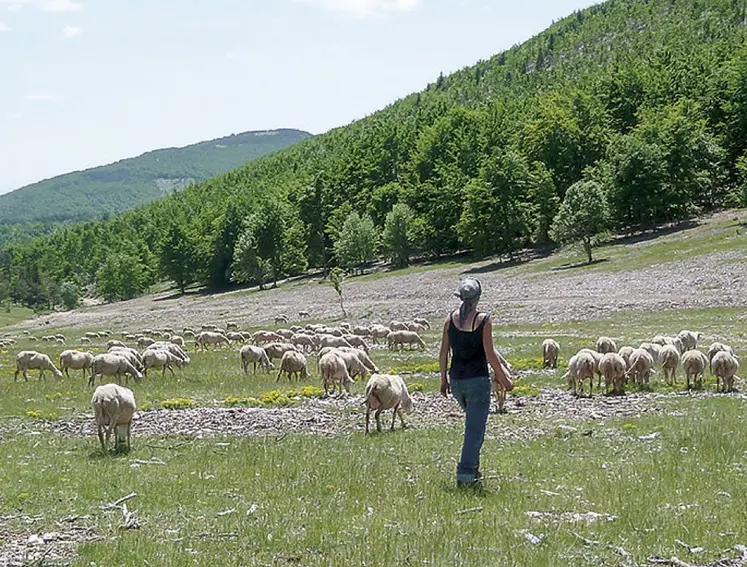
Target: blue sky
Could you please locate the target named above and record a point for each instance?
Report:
(88, 82)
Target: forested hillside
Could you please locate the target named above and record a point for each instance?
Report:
(128, 183)
(636, 110)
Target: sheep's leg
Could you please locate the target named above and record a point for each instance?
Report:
(279, 373)
(171, 370)
(377, 415)
(129, 431)
(401, 418)
(368, 416)
(101, 437)
(41, 373)
(67, 374)
(394, 417)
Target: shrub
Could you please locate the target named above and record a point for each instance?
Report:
(177, 403)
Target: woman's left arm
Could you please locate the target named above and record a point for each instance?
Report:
(493, 360)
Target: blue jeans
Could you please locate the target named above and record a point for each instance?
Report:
(473, 394)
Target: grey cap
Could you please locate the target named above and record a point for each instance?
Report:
(469, 288)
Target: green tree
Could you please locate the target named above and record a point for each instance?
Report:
(70, 294)
(398, 236)
(357, 242)
(176, 255)
(583, 217)
(247, 266)
(336, 278)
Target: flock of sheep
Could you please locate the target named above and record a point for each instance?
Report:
(342, 355)
(617, 367)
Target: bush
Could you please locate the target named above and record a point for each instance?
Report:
(177, 403)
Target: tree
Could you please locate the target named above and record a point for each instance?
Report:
(357, 242)
(177, 251)
(247, 266)
(70, 294)
(398, 236)
(336, 277)
(121, 277)
(583, 217)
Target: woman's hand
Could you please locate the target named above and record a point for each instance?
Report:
(445, 390)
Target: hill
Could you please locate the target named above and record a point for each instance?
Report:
(128, 183)
(644, 102)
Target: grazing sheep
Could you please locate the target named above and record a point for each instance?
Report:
(159, 359)
(211, 338)
(112, 365)
(383, 392)
(640, 365)
(652, 349)
(550, 352)
(401, 338)
(303, 341)
(415, 327)
(231, 326)
(625, 353)
(378, 332)
(173, 348)
(669, 359)
(143, 342)
(277, 350)
(113, 408)
(355, 365)
(265, 337)
(304, 314)
(285, 333)
(281, 319)
(363, 357)
(361, 331)
(76, 360)
(725, 366)
(605, 345)
(32, 360)
(85, 341)
(356, 341)
(132, 356)
(333, 371)
(689, 339)
(613, 367)
(713, 349)
(673, 341)
(254, 354)
(597, 356)
(114, 342)
(177, 340)
(92, 335)
(293, 362)
(422, 321)
(583, 369)
(332, 341)
(694, 364)
(235, 337)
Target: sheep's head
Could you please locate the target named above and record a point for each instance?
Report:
(57, 373)
(407, 405)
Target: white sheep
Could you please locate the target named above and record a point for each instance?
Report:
(160, 359)
(652, 349)
(304, 314)
(353, 362)
(613, 367)
(114, 342)
(110, 364)
(694, 364)
(725, 366)
(113, 408)
(640, 365)
(422, 321)
(255, 355)
(214, 338)
(383, 392)
(356, 341)
(397, 326)
(663, 341)
(333, 371)
(689, 339)
(583, 368)
(401, 338)
(132, 356)
(669, 359)
(625, 353)
(281, 319)
(232, 326)
(303, 341)
(177, 340)
(32, 360)
(550, 353)
(277, 350)
(597, 356)
(293, 362)
(265, 337)
(361, 331)
(333, 341)
(143, 342)
(713, 349)
(378, 332)
(605, 345)
(76, 360)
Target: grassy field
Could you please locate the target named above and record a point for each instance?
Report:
(585, 491)
(15, 315)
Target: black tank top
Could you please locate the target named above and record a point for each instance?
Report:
(468, 358)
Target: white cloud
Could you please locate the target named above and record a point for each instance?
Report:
(16, 115)
(61, 6)
(70, 32)
(4, 27)
(41, 97)
(363, 8)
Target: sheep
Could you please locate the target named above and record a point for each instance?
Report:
(85, 341)
(422, 321)
(583, 368)
(605, 345)
(363, 357)
(132, 356)
(689, 339)
(383, 392)
(209, 327)
(356, 365)
(669, 358)
(725, 366)
(235, 337)
(415, 327)
(76, 360)
(550, 352)
(143, 342)
(694, 364)
(112, 365)
(114, 342)
(497, 386)
(625, 353)
(211, 338)
(597, 356)
(652, 349)
(265, 337)
(304, 314)
(173, 348)
(713, 349)
(378, 332)
(613, 367)
(92, 335)
(356, 341)
(664, 341)
(332, 341)
(155, 358)
(254, 354)
(60, 341)
(361, 331)
(178, 340)
(293, 362)
(401, 338)
(277, 350)
(113, 408)
(333, 371)
(32, 360)
(231, 326)
(281, 319)
(640, 365)
(397, 326)
(303, 342)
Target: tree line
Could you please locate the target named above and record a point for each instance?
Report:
(619, 117)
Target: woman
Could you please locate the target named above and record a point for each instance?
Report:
(468, 335)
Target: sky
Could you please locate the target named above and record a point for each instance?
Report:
(89, 82)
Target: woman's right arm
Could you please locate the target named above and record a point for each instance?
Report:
(443, 357)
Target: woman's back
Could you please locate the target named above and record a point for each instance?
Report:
(468, 353)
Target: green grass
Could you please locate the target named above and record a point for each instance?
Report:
(16, 315)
